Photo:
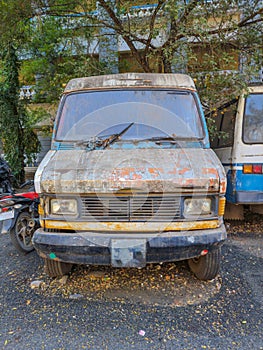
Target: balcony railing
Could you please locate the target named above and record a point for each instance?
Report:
(27, 92)
(139, 11)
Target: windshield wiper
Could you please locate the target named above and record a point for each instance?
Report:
(114, 137)
(171, 139)
(99, 141)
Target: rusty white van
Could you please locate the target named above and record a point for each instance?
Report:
(130, 178)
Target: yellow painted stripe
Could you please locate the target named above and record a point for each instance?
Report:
(131, 226)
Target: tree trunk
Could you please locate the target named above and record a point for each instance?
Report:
(167, 65)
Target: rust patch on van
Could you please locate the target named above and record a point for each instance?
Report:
(147, 170)
(152, 227)
(223, 184)
(155, 172)
(183, 171)
(212, 171)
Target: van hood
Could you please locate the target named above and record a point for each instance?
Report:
(144, 170)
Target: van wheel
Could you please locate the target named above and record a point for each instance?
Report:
(206, 267)
(56, 268)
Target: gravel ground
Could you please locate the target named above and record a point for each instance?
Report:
(159, 307)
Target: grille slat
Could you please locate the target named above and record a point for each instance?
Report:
(131, 208)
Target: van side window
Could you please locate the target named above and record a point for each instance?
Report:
(253, 121)
(225, 124)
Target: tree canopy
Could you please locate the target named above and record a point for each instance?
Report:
(219, 42)
(18, 138)
(165, 36)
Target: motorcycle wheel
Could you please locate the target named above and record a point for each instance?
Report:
(22, 232)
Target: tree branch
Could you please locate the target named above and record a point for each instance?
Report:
(152, 23)
(173, 36)
(120, 29)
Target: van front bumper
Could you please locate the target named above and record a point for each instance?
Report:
(126, 249)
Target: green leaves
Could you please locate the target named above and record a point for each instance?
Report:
(205, 39)
(17, 136)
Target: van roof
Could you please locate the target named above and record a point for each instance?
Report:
(131, 80)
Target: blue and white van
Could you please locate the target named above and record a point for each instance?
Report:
(240, 149)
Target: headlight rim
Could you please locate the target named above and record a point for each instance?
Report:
(65, 213)
(199, 213)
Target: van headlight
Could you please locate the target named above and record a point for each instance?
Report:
(197, 206)
(63, 207)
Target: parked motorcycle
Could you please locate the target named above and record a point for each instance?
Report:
(19, 213)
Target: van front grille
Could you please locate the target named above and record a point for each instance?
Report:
(130, 208)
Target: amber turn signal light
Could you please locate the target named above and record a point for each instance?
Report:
(221, 207)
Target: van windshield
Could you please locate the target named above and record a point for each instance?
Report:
(142, 114)
(253, 119)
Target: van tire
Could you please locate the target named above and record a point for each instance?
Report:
(206, 267)
(56, 268)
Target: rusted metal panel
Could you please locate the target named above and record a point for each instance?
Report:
(143, 170)
(131, 226)
(131, 80)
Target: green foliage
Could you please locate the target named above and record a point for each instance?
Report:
(218, 43)
(14, 14)
(59, 47)
(42, 119)
(204, 39)
(17, 135)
